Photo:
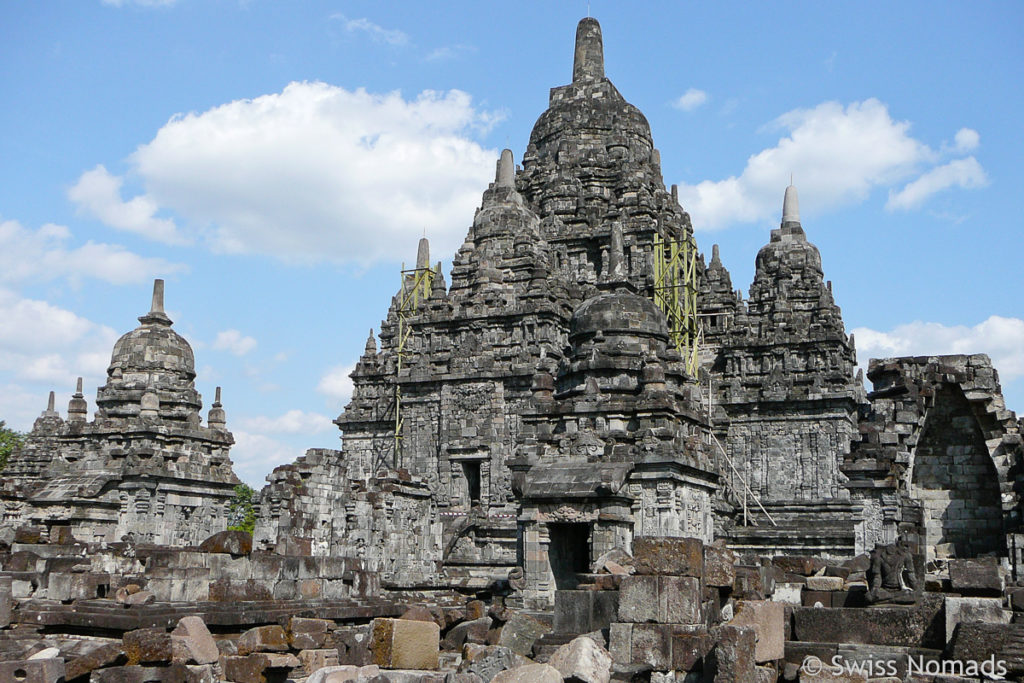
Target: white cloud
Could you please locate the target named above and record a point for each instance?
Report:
(40, 342)
(691, 99)
(448, 52)
(966, 173)
(292, 422)
(838, 155)
(43, 255)
(234, 342)
(1001, 338)
(966, 140)
(319, 173)
(98, 193)
(337, 384)
(375, 32)
(254, 456)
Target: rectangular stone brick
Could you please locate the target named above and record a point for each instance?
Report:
(671, 556)
(405, 644)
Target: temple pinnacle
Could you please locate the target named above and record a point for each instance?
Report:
(423, 254)
(158, 297)
(716, 260)
(588, 63)
(506, 170)
(790, 206)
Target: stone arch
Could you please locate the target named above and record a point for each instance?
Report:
(954, 477)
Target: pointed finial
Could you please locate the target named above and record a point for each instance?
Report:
(158, 297)
(675, 193)
(437, 286)
(506, 170)
(156, 310)
(790, 206)
(216, 418)
(371, 344)
(715, 258)
(78, 409)
(51, 403)
(588, 63)
(78, 386)
(423, 254)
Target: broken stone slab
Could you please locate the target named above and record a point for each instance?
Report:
(474, 631)
(620, 557)
(974, 610)
(767, 619)
(732, 657)
(825, 583)
(308, 634)
(520, 632)
(314, 660)
(6, 601)
(584, 660)
(252, 668)
(660, 599)
(110, 654)
(690, 649)
(404, 644)
(799, 564)
(719, 566)
(140, 598)
(980, 642)
(46, 653)
(980, 577)
(648, 645)
(919, 625)
(192, 642)
(531, 673)
(147, 645)
(50, 670)
(343, 674)
(263, 639)
(487, 661)
(580, 611)
(788, 593)
(668, 556)
(228, 542)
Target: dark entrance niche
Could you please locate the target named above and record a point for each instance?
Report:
(471, 471)
(568, 553)
(955, 479)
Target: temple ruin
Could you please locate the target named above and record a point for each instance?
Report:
(587, 431)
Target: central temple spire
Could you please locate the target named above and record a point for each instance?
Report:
(589, 60)
(790, 206)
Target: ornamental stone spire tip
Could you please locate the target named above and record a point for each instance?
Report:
(423, 254)
(506, 170)
(791, 206)
(156, 313)
(588, 63)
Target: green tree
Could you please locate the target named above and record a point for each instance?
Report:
(10, 440)
(241, 513)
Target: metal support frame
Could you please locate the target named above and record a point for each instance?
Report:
(675, 293)
(416, 284)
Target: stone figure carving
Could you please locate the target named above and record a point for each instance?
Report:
(892, 575)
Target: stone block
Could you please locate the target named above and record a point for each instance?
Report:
(974, 610)
(520, 632)
(531, 673)
(6, 601)
(314, 660)
(749, 584)
(825, 583)
(474, 631)
(584, 660)
(668, 556)
(767, 619)
(799, 564)
(263, 639)
(689, 650)
(660, 599)
(105, 655)
(719, 566)
(486, 661)
(140, 598)
(345, 674)
(788, 593)
(979, 577)
(148, 645)
(192, 643)
(988, 642)
(817, 598)
(404, 644)
(308, 634)
(33, 671)
(732, 657)
(919, 625)
(651, 644)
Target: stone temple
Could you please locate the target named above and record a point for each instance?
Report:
(588, 421)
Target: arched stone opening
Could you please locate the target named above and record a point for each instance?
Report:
(955, 479)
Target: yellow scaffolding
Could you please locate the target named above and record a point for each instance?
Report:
(416, 284)
(675, 293)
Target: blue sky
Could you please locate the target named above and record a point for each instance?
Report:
(276, 162)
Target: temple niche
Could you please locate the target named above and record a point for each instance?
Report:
(145, 467)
